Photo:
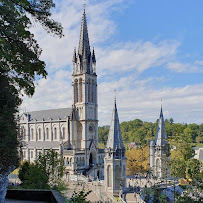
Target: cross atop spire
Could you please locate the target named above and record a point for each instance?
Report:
(84, 5)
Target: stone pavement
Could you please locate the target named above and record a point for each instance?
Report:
(81, 186)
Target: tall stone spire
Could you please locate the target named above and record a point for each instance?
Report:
(115, 140)
(161, 135)
(84, 46)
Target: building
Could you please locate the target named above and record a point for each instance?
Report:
(159, 156)
(115, 159)
(73, 131)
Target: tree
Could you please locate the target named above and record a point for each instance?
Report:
(19, 66)
(80, 197)
(23, 171)
(52, 163)
(137, 160)
(33, 176)
(193, 170)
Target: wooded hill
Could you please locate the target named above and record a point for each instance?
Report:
(141, 132)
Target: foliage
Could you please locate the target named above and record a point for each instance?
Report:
(178, 168)
(141, 132)
(19, 65)
(103, 133)
(45, 173)
(19, 50)
(52, 163)
(137, 160)
(23, 171)
(79, 197)
(8, 135)
(193, 170)
(35, 178)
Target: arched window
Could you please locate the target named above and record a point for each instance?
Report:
(67, 161)
(158, 167)
(23, 133)
(64, 160)
(83, 161)
(92, 91)
(117, 177)
(70, 161)
(89, 87)
(32, 134)
(76, 91)
(123, 176)
(55, 133)
(47, 133)
(80, 89)
(64, 132)
(109, 176)
(40, 135)
(31, 154)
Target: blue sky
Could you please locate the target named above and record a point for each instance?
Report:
(148, 50)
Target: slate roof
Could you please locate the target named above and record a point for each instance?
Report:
(161, 135)
(53, 114)
(115, 138)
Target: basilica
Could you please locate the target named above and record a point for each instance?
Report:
(73, 132)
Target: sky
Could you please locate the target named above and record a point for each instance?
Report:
(150, 51)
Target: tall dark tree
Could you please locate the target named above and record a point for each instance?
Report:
(19, 65)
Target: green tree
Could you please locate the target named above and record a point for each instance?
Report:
(8, 135)
(52, 163)
(35, 178)
(23, 171)
(79, 197)
(19, 66)
(193, 170)
(178, 168)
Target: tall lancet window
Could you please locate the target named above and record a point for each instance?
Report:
(76, 91)
(92, 91)
(80, 89)
(109, 176)
(40, 134)
(89, 89)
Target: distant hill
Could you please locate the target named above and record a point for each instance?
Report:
(141, 132)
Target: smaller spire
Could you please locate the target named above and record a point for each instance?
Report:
(74, 56)
(115, 137)
(93, 56)
(161, 135)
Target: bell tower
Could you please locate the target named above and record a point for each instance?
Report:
(84, 91)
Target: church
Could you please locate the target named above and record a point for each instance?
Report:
(73, 132)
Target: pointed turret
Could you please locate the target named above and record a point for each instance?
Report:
(161, 135)
(74, 56)
(93, 57)
(115, 140)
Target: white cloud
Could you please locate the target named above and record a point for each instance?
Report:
(136, 56)
(185, 67)
(135, 98)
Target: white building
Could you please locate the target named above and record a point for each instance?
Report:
(72, 132)
(159, 156)
(115, 159)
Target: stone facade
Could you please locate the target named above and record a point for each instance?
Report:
(72, 132)
(159, 156)
(115, 160)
